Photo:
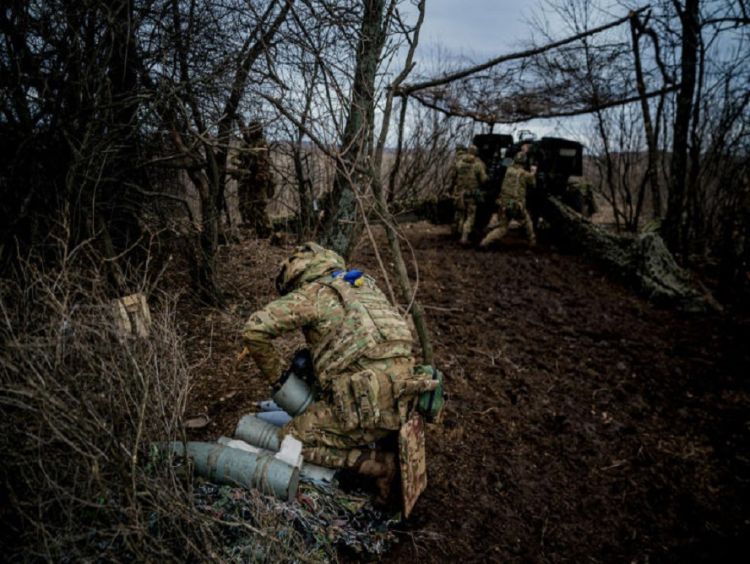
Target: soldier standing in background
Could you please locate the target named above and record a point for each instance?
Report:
(511, 204)
(453, 188)
(254, 180)
(467, 177)
(579, 195)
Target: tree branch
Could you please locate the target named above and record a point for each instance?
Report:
(492, 118)
(446, 79)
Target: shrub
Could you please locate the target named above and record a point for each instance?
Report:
(82, 408)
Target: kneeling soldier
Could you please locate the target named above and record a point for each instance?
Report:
(511, 204)
(361, 348)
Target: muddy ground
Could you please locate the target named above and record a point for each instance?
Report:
(583, 425)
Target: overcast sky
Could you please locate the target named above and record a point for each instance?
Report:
(475, 27)
(480, 30)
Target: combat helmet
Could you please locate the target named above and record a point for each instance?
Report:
(306, 263)
(520, 158)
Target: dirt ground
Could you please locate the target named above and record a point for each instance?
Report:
(583, 425)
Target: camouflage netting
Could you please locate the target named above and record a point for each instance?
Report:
(551, 80)
(320, 524)
(643, 260)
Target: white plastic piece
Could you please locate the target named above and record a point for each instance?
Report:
(241, 445)
(290, 451)
(317, 474)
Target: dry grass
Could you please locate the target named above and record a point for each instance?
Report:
(81, 409)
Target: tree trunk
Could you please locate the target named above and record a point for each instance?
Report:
(675, 224)
(208, 243)
(340, 229)
(121, 206)
(648, 126)
(381, 203)
(304, 190)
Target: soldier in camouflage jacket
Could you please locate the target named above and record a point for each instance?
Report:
(511, 203)
(362, 355)
(469, 173)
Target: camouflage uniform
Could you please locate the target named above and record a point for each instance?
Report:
(254, 180)
(468, 176)
(511, 204)
(361, 350)
(579, 195)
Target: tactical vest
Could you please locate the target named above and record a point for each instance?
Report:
(371, 328)
(513, 189)
(467, 177)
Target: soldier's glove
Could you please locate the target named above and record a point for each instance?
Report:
(301, 366)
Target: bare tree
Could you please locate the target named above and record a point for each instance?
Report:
(356, 142)
(201, 117)
(69, 127)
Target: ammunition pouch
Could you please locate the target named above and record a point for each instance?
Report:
(355, 400)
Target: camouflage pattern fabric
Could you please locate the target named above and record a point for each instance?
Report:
(323, 440)
(511, 204)
(371, 329)
(255, 187)
(308, 262)
(361, 349)
(466, 220)
(467, 177)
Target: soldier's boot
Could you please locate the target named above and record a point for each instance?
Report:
(497, 232)
(380, 465)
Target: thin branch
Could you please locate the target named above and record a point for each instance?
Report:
(495, 119)
(446, 79)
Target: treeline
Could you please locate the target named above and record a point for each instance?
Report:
(120, 120)
(110, 108)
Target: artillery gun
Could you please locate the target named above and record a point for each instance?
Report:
(492, 149)
(556, 161)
